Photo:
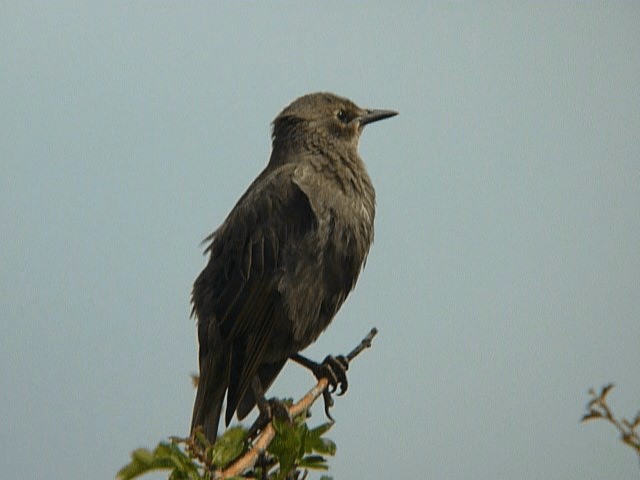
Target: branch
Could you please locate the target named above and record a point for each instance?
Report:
(598, 408)
(266, 436)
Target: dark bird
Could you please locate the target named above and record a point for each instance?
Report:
(285, 259)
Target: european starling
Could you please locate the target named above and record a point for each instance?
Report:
(286, 257)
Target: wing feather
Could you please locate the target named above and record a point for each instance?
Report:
(238, 290)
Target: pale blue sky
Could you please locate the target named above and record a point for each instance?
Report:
(505, 276)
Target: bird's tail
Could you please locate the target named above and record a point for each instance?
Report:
(212, 387)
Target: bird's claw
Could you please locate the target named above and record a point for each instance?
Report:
(334, 369)
(328, 403)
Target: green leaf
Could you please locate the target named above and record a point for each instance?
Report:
(321, 429)
(325, 447)
(315, 443)
(142, 456)
(286, 446)
(315, 462)
(202, 439)
(166, 456)
(228, 447)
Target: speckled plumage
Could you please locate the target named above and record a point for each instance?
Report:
(286, 257)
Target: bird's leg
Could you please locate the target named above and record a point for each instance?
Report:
(334, 369)
(268, 408)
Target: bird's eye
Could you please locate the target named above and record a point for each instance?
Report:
(342, 116)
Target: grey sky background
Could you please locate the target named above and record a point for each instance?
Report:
(505, 275)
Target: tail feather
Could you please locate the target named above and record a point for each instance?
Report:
(212, 387)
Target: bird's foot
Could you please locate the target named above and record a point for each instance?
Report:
(334, 369)
(269, 409)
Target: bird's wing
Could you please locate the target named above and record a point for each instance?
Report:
(237, 293)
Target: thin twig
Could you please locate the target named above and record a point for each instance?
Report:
(267, 434)
(365, 343)
(598, 408)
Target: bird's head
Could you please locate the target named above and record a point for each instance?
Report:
(324, 119)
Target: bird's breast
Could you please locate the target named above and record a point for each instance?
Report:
(324, 270)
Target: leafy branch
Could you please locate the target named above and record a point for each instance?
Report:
(299, 408)
(278, 452)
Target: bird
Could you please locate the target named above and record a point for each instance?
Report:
(284, 259)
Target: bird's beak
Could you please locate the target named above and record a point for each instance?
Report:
(371, 116)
